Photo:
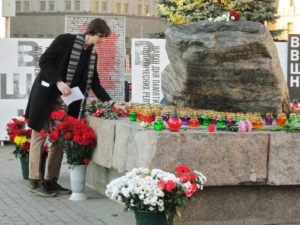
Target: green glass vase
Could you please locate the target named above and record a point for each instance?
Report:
(152, 218)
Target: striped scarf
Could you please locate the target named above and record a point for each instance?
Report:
(74, 59)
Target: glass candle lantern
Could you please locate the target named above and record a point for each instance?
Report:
(292, 118)
(214, 119)
(269, 119)
(158, 123)
(259, 121)
(194, 122)
(281, 119)
(230, 120)
(166, 116)
(221, 121)
(147, 117)
(206, 120)
(185, 119)
(174, 121)
(133, 115)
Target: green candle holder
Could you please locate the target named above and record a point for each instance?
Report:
(221, 122)
(133, 116)
(206, 120)
(158, 124)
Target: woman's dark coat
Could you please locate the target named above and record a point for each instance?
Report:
(53, 67)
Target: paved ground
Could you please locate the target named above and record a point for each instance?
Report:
(18, 206)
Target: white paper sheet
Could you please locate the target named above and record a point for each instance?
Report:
(74, 96)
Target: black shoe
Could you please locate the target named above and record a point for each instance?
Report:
(33, 184)
(54, 186)
(41, 188)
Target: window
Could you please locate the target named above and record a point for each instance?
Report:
(117, 7)
(67, 5)
(139, 9)
(103, 6)
(95, 6)
(18, 6)
(26, 6)
(42, 5)
(292, 3)
(40, 35)
(125, 8)
(51, 5)
(290, 28)
(15, 35)
(77, 5)
(146, 9)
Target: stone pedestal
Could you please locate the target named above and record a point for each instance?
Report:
(253, 178)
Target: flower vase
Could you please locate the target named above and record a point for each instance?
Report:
(144, 217)
(25, 167)
(77, 181)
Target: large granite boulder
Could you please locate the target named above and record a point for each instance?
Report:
(224, 66)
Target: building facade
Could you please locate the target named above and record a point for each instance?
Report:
(289, 12)
(46, 18)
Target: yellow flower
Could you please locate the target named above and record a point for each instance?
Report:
(20, 140)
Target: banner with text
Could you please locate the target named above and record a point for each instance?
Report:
(294, 66)
(19, 65)
(149, 59)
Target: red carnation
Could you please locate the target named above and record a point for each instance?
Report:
(115, 109)
(211, 128)
(192, 176)
(68, 135)
(86, 160)
(170, 185)
(183, 177)
(26, 146)
(53, 136)
(121, 113)
(161, 184)
(83, 120)
(234, 13)
(45, 148)
(42, 134)
(182, 169)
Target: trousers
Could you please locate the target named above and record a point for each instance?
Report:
(54, 159)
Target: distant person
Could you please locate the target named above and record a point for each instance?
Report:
(69, 61)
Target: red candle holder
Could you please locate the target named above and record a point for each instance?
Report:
(174, 121)
(194, 122)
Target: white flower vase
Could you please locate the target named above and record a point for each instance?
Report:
(77, 180)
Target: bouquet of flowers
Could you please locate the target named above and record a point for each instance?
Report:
(19, 135)
(156, 190)
(104, 110)
(75, 137)
(233, 15)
